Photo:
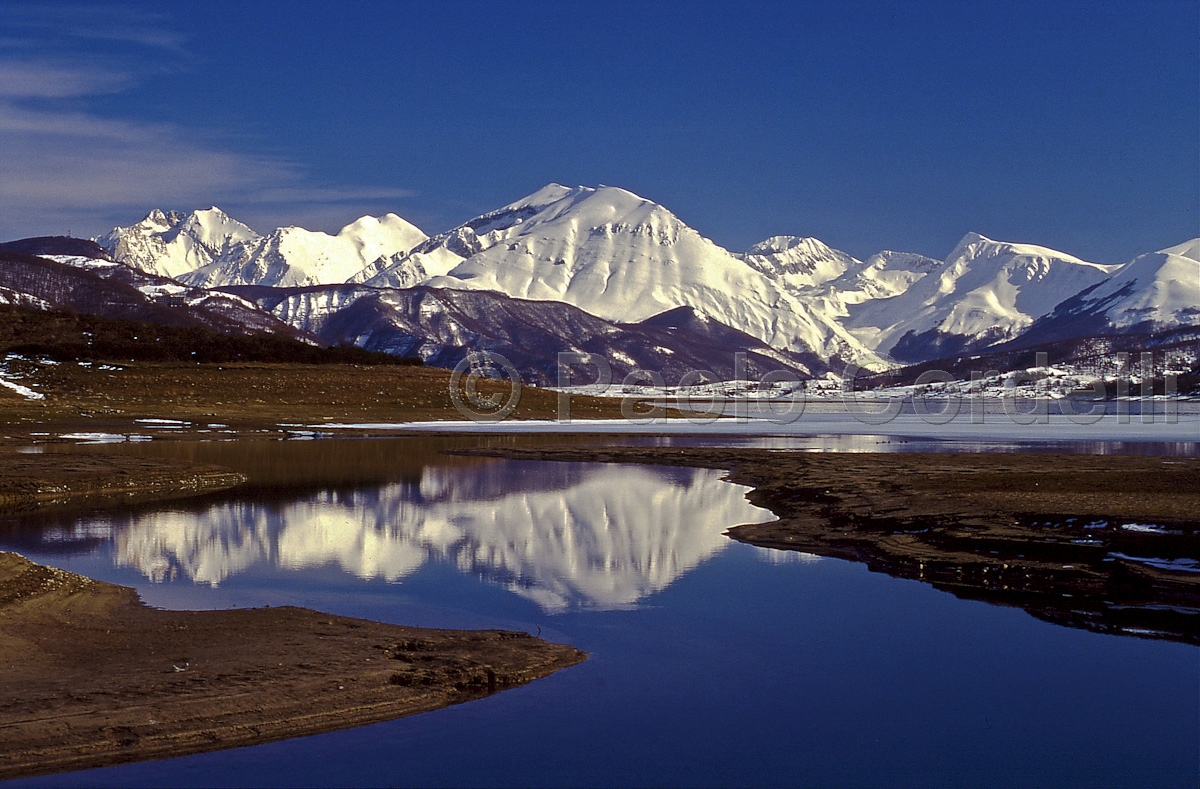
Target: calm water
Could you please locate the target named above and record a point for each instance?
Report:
(713, 663)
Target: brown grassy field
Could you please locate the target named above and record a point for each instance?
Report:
(251, 394)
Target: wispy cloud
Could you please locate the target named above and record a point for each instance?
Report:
(34, 80)
(64, 165)
(91, 22)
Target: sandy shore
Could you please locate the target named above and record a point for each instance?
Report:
(1102, 542)
(92, 677)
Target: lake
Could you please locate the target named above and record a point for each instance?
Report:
(712, 662)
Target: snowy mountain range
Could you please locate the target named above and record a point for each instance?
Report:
(985, 292)
(209, 249)
(621, 260)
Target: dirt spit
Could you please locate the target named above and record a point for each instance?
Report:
(43, 482)
(1107, 543)
(90, 676)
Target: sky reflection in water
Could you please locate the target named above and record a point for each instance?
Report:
(563, 535)
(709, 665)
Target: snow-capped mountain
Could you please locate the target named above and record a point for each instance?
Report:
(209, 249)
(1155, 293)
(986, 292)
(798, 262)
(622, 258)
(171, 243)
(1157, 290)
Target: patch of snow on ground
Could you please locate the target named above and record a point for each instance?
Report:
(1146, 528)
(24, 391)
(1179, 565)
(95, 438)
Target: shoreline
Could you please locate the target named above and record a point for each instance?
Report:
(90, 676)
(965, 523)
(43, 483)
(1107, 543)
(93, 677)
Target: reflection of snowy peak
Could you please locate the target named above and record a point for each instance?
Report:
(985, 292)
(619, 257)
(596, 536)
(208, 249)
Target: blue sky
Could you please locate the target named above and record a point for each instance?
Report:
(871, 125)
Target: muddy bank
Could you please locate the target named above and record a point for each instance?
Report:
(1101, 542)
(43, 482)
(93, 677)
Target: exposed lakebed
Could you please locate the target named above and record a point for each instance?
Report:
(713, 662)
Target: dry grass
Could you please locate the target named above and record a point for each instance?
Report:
(247, 394)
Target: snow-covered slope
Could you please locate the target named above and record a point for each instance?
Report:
(209, 249)
(1155, 293)
(798, 262)
(622, 258)
(986, 292)
(1161, 289)
(171, 244)
(884, 275)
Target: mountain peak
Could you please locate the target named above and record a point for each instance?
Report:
(1188, 249)
(779, 244)
(774, 244)
(210, 216)
(798, 261)
(162, 219)
(388, 223)
(969, 240)
(213, 228)
(974, 246)
(547, 195)
(612, 197)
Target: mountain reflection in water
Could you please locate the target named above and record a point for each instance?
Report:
(561, 534)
